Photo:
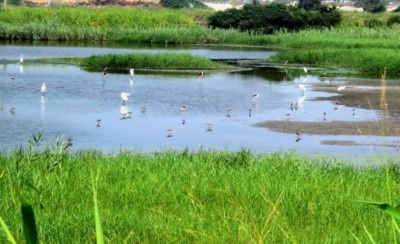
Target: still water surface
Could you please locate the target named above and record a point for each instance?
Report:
(75, 99)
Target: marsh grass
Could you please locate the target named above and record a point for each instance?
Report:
(204, 196)
(166, 61)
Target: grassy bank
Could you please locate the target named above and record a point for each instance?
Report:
(351, 45)
(207, 196)
(366, 50)
(116, 62)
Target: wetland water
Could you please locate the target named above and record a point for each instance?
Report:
(75, 99)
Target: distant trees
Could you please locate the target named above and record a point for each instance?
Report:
(373, 6)
(309, 4)
(267, 19)
(182, 4)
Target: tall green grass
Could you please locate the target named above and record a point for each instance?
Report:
(145, 61)
(203, 196)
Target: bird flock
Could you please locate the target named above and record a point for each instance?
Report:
(125, 113)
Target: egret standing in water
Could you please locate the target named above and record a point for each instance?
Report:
(305, 70)
(43, 89)
(21, 59)
(302, 88)
(132, 72)
(125, 97)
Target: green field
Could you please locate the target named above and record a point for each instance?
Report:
(203, 196)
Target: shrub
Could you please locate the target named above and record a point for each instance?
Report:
(268, 19)
(394, 19)
(373, 23)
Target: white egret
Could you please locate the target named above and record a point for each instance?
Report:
(341, 88)
(305, 70)
(21, 59)
(303, 88)
(201, 73)
(43, 89)
(132, 72)
(125, 97)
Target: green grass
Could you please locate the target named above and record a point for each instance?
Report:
(118, 62)
(351, 45)
(366, 50)
(204, 196)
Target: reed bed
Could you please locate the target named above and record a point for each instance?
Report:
(203, 196)
(117, 62)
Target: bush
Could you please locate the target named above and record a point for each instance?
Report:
(268, 19)
(373, 23)
(394, 19)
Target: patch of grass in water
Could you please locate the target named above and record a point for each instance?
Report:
(167, 61)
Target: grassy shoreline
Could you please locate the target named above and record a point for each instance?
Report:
(351, 46)
(204, 196)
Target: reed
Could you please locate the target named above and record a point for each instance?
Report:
(203, 196)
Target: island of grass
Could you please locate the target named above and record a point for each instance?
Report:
(162, 61)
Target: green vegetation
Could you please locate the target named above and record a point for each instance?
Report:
(350, 45)
(145, 61)
(364, 49)
(204, 196)
(82, 23)
(271, 18)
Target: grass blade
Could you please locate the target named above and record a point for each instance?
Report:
(99, 229)
(7, 231)
(385, 207)
(28, 219)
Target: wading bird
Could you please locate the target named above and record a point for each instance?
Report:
(209, 127)
(132, 72)
(305, 70)
(125, 97)
(298, 136)
(169, 132)
(98, 123)
(21, 59)
(43, 89)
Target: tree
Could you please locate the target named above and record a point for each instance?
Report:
(309, 4)
(373, 6)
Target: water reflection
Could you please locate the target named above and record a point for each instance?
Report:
(179, 112)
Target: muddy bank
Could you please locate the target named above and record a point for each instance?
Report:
(366, 128)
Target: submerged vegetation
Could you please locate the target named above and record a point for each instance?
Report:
(204, 196)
